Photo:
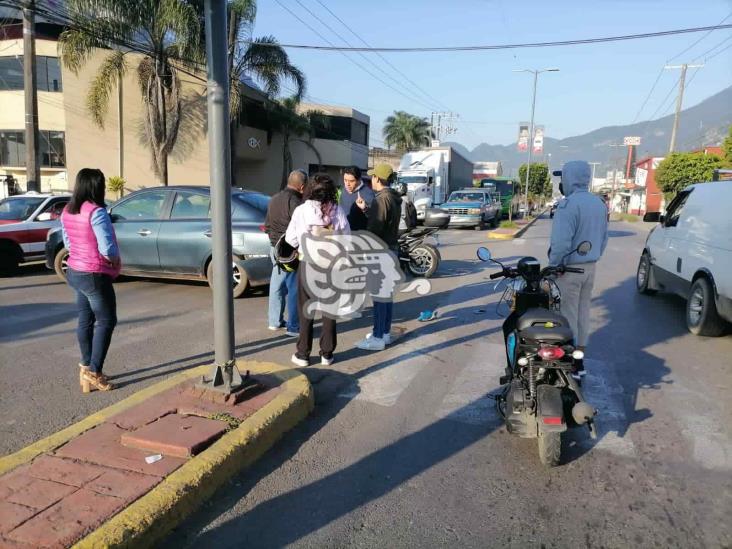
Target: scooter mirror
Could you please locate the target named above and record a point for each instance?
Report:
(584, 247)
(484, 254)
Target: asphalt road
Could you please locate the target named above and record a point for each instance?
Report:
(404, 447)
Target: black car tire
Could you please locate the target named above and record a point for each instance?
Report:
(495, 222)
(59, 263)
(550, 448)
(481, 226)
(702, 318)
(241, 279)
(643, 275)
(9, 260)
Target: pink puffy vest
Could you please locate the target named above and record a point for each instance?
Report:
(84, 254)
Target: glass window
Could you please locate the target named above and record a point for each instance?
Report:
(360, 133)
(53, 75)
(12, 148)
(142, 207)
(258, 201)
(51, 144)
(53, 150)
(11, 73)
(675, 208)
(18, 208)
(190, 206)
(467, 197)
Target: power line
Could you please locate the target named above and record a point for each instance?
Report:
(385, 60)
(575, 42)
(697, 41)
(359, 65)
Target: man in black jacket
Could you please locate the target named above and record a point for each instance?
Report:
(283, 284)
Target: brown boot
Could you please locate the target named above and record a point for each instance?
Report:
(90, 380)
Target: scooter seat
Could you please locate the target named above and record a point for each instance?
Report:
(544, 325)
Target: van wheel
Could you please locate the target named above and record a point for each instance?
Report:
(239, 274)
(8, 260)
(643, 275)
(701, 311)
(60, 263)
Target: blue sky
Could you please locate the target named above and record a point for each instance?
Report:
(598, 85)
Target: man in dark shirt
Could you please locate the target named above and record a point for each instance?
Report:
(283, 284)
(353, 188)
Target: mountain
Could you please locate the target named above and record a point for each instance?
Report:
(704, 124)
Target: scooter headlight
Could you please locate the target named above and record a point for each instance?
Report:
(578, 355)
(523, 361)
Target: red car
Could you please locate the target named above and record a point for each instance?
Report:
(24, 223)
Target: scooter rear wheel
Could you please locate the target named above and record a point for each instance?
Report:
(423, 261)
(550, 448)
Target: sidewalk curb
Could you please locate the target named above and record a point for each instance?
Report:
(517, 234)
(156, 513)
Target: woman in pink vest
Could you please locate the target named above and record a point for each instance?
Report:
(93, 264)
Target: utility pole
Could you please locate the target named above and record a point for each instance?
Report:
(679, 100)
(32, 154)
(225, 376)
(437, 126)
(536, 73)
(594, 165)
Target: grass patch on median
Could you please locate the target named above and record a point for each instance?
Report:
(508, 225)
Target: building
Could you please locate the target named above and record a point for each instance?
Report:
(70, 140)
(485, 170)
(378, 155)
(647, 197)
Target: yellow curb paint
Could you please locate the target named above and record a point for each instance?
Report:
(155, 514)
(501, 236)
(60, 438)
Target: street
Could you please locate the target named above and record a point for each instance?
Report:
(404, 447)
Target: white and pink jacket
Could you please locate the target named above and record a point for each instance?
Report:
(308, 217)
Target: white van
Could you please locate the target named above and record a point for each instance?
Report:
(690, 253)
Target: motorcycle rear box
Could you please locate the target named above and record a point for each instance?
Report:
(436, 217)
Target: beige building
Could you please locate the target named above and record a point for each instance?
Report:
(70, 140)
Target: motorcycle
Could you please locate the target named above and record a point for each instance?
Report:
(539, 397)
(417, 255)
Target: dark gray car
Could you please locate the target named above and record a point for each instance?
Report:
(166, 232)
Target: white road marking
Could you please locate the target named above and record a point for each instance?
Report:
(603, 391)
(467, 400)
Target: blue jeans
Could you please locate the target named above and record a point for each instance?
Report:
(382, 317)
(283, 289)
(97, 306)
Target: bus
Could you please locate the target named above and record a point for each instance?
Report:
(504, 186)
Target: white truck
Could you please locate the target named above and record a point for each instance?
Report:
(431, 174)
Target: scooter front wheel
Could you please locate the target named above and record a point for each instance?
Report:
(550, 448)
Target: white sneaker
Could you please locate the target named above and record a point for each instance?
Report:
(326, 361)
(274, 328)
(288, 333)
(371, 344)
(299, 361)
(386, 338)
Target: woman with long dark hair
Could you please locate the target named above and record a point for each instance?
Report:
(94, 263)
(319, 214)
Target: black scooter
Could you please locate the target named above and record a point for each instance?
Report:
(539, 397)
(418, 256)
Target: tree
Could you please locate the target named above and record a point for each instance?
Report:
(678, 170)
(537, 180)
(294, 127)
(727, 149)
(406, 131)
(167, 35)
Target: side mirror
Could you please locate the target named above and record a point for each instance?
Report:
(652, 217)
(45, 216)
(584, 247)
(484, 254)
(114, 217)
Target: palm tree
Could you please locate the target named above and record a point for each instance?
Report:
(406, 131)
(166, 34)
(294, 126)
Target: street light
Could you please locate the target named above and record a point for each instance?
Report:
(536, 73)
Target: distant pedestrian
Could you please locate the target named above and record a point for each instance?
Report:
(408, 219)
(94, 262)
(318, 215)
(581, 216)
(353, 189)
(383, 221)
(282, 283)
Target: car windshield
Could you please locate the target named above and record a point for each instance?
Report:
(18, 207)
(412, 179)
(467, 197)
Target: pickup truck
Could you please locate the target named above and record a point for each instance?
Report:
(475, 207)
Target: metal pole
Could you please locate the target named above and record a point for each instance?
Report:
(679, 101)
(531, 143)
(220, 161)
(32, 156)
(592, 181)
(120, 121)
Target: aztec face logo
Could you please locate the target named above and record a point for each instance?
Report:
(341, 271)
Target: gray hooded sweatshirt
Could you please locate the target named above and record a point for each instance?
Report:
(580, 216)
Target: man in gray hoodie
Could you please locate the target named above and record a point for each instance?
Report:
(579, 217)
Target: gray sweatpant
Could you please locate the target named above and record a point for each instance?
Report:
(576, 292)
